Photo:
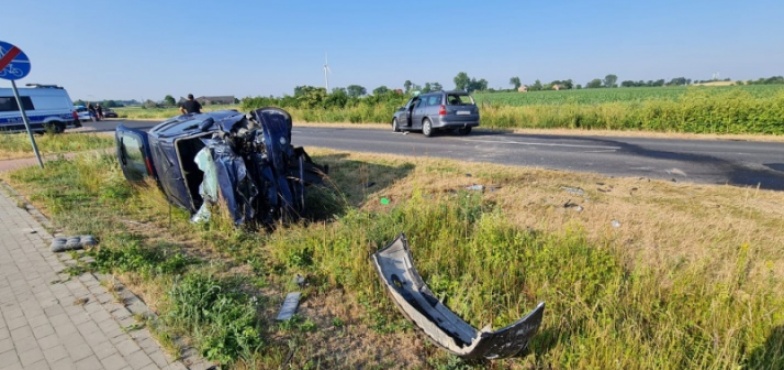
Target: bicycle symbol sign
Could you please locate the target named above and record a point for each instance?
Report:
(14, 64)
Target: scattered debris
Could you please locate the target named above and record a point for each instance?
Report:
(573, 191)
(289, 307)
(570, 204)
(475, 187)
(385, 201)
(615, 223)
(72, 243)
(370, 184)
(81, 301)
(468, 175)
(396, 270)
(299, 280)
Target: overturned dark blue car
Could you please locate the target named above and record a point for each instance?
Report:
(243, 161)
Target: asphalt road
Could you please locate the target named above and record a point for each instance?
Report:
(740, 163)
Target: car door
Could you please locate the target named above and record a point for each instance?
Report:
(418, 112)
(133, 151)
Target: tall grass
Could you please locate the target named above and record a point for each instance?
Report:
(608, 304)
(18, 145)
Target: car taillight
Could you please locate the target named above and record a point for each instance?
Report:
(442, 111)
(148, 164)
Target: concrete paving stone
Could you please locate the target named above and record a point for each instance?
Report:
(26, 344)
(138, 359)
(128, 347)
(81, 317)
(22, 332)
(5, 333)
(49, 342)
(89, 363)
(114, 362)
(99, 316)
(6, 345)
(78, 351)
(56, 354)
(65, 330)
(54, 310)
(151, 366)
(175, 366)
(59, 319)
(88, 328)
(64, 364)
(159, 359)
(40, 365)
(43, 331)
(15, 365)
(9, 356)
(104, 350)
(96, 338)
(31, 356)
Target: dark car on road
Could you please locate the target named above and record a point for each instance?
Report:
(438, 111)
(109, 113)
(246, 162)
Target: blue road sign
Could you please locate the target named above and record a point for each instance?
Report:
(14, 64)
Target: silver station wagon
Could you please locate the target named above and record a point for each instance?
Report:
(438, 111)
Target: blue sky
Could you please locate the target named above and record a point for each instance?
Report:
(148, 49)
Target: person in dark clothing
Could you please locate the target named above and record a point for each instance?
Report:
(99, 110)
(93, 114)
(190, 106)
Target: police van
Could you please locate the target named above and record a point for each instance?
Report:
(48, 107)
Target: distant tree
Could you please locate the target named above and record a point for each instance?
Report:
(381, 90)
(110, 104)
(536, 86)
(659, 82)
(594, 84)
(578, 87)
(627, 83)
(462, 81)
(427, 88)
(236, 101)
(407, 86)
(677, 81)
(567, 84)
(149, 104)
(169, 101)
(80, 102)
(338, 98)
(437, 86)
(515, 82)
(477, 85)
(355, 91)
(610, 80)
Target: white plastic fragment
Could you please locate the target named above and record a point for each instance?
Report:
(289, 307)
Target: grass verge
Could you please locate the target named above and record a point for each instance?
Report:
(643, 274)
(18, 145)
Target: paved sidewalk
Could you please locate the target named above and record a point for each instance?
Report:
(48, 321)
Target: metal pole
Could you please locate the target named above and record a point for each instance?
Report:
(27, 124)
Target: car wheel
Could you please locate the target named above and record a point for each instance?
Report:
(54, 127)
(464, 130)
(395, 127)
(427, 128)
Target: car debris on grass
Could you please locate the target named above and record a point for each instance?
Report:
(410, 293)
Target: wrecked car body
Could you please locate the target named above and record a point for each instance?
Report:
(246, 162)
(410, 293)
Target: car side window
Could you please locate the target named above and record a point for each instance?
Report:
(433, 100)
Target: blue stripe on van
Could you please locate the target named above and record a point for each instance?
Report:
(36, 120)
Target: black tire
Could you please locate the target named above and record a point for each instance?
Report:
(464, 130)
(395, 127)
(427, 127)
(54, 127)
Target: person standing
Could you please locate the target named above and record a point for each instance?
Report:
(99, 110)
(93, 114)
(190, 106)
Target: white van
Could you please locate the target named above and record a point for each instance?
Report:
(48, 107)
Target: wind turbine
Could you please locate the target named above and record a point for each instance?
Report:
(326, 72)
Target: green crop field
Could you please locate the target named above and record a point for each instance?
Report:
(625, 95)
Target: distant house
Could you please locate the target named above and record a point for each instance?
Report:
(522, 88)
(557, 87)
(209, 100)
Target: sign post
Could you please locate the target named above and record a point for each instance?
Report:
(14, 65)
